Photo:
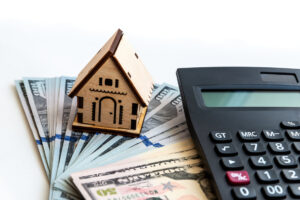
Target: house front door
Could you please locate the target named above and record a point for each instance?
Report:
(107, 110)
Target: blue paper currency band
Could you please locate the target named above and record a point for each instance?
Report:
(84, 137)
(44, 139)
(38, 141)
(58, 136)
(147, 142)
(71, 139)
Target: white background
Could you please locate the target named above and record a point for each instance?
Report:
(53, 38)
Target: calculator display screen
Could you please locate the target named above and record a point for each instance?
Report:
(251, 98)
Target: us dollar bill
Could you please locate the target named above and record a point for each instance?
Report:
(29, 115)
(169, 111)
(62, 118)
(159, 95)
(147, 182)
(36, 93)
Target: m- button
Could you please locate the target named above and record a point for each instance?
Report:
(220, 136)
(272, 135)
(248, 136)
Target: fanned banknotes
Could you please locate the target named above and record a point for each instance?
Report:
(160, 164)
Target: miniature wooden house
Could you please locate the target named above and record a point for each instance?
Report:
(113, 90)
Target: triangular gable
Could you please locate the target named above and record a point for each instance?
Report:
(129, 63)
(107, 50)
(134, 70)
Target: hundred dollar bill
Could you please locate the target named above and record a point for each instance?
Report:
(25, 104)
(62, 117)
(101, 157)
(36, 93)
(96, 148)
(159, 95)
(94, 144)
(175, 150)
(169, 111)
(115, 157)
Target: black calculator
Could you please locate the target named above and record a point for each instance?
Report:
(245, 122)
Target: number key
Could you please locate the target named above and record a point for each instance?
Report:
(296, 146)
(254, 148)
(279, 147)
(286, 161)
(291, 175)
(295, 190)
(245, 192)
(274, 191)
(260, 162)
(267, 176)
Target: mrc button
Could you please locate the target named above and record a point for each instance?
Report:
(220, 136)
(248, 136)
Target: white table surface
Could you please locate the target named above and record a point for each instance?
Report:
(59, 37)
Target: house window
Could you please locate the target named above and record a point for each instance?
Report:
(108, 82)
(80, 102)
(117, 83)
(100, 81)
(79, 117)
(133, 124)
(134, 109)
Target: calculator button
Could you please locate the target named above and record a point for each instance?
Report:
(295, 190)
(220, 136)
(226, 149)
(238, 177)
(248, 136)
(232, 163)
(274, 191)
(286, 161)
(267, 176)
(290, 124)
(272, 135)
(296, 146)
(254, 148)
(244, 193)
(291, 175)
(260, 162)
(279, 147)
(293, 134)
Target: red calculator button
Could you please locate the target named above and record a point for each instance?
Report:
(238, 177)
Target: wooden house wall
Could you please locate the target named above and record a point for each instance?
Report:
(109, 90)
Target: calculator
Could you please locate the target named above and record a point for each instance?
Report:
(245, 122)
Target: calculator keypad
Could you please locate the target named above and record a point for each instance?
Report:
(254, 148)
(267, 176)
(226, 149)
(271, 156)
(232, 163)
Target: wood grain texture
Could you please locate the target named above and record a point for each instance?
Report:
(107, 50)
(108, 97)
(76, 126)
(114, 89)
(134, 69)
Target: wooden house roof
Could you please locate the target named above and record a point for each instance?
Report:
(118, 48)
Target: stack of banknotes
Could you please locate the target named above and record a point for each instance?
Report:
(161, 163)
